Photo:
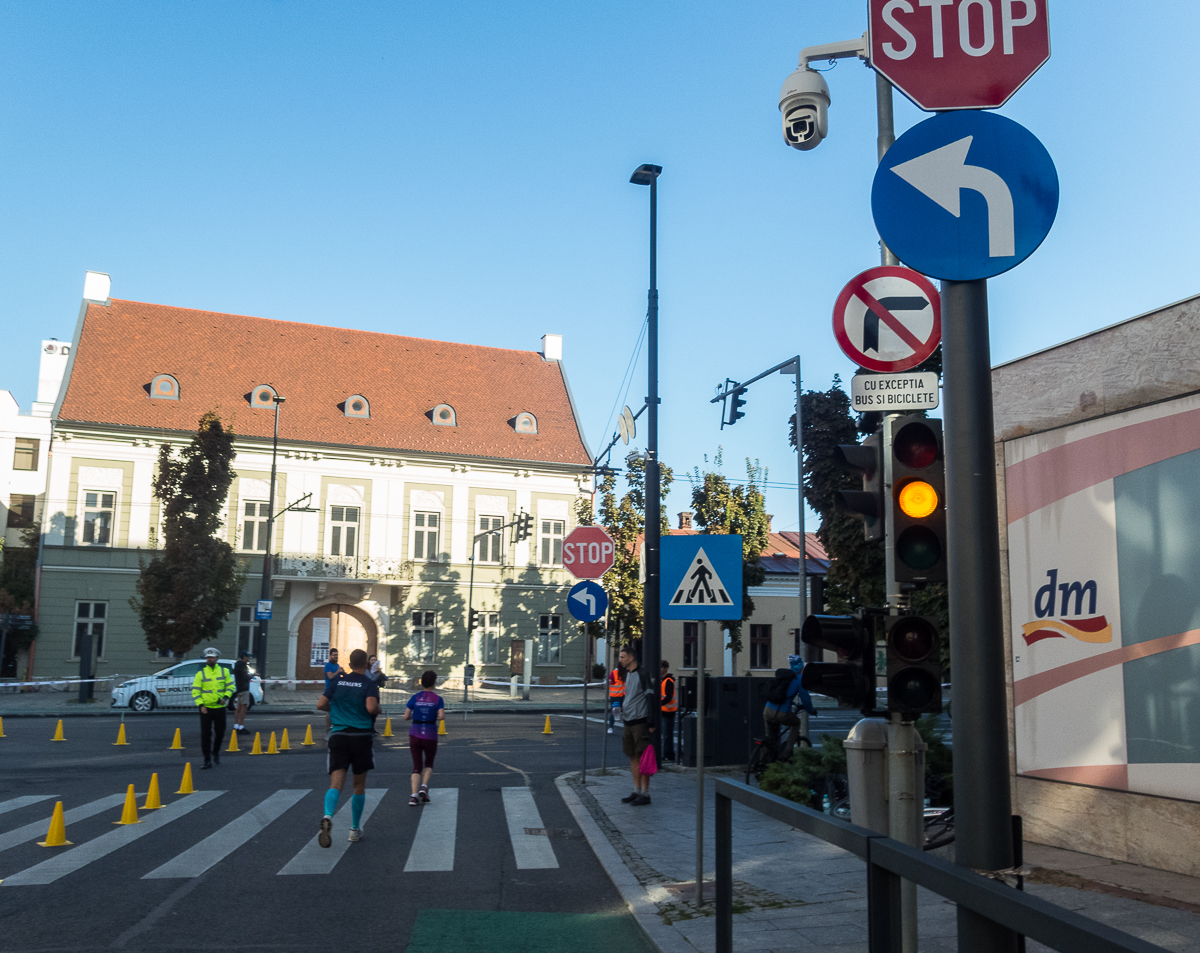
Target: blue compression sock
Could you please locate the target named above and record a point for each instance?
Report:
(356, 808)
(331, 800)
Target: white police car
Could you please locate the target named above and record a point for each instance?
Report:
(172, 688)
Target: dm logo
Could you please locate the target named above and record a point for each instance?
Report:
(1095, 628)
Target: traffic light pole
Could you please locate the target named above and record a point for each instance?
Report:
(983, 836)
(651, 618)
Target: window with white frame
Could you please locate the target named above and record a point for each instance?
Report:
(549, 642)
(551, 539)
(99, 507)
(426, 532)
(246, 627)
(91, 618)
(343, 530)
(25, 456)
(691, 641)
(422, 640)
(491, 637)
(490, 548)
(255, 517)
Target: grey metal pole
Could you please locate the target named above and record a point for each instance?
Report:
(260, 656)
(800, 499)
(651, 622)
(470, 630)
(586, 653)
(886, 136)
(903, 785)
(983, 836)
(701, 663)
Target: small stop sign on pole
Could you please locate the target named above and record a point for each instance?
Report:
(588, 553)
(958, 54)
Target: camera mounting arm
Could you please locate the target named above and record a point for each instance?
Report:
(835, 51)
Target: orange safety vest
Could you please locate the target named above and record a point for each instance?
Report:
(672, 706)
(616, 687)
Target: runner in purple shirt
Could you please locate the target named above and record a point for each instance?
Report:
(425, 709)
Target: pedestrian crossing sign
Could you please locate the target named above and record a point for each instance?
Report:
(701, 577)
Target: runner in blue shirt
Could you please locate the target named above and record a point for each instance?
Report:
(425, 709)
(351, 699)
(332, 670)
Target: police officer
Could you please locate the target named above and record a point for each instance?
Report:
(616, 694)
(211, 689)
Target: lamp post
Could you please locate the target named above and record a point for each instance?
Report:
(651, 620)
(260, 650)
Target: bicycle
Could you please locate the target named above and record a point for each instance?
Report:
(765, 751)
(939, 827)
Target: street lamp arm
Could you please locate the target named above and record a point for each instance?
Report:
(296, 507)
(612, 443)
(835, 51)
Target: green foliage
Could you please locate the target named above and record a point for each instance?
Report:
(939, 759)
(803, 778)
(185, 595)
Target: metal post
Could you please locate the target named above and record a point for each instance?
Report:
(800, 500)
(723, 829)
(608, 641)
(260, 654)
(701, 652)
(586, 653)
(883, 142)
(983, 836)
(902, 814)
(3, 640)
(470, 631)
(651, 622)
(85, 668)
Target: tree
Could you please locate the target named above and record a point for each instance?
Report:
(185, 595)
(724, 510)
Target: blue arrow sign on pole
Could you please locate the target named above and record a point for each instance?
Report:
(965, 195)
(701, 577)
(587, 601)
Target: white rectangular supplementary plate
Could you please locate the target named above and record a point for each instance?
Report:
(894, 392)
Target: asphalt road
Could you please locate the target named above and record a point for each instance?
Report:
(235, 870)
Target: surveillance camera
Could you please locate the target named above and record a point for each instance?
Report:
(804, 103)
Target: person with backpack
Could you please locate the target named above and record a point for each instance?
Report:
(782, 694)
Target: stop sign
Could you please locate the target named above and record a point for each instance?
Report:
(588, 553)
(958, 54)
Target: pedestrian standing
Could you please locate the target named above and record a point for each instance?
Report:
(616, 694)
(425, 709)
(212, 688)
(350, 700)
(332, 670)
(668, 705)
(241, 690)
(635, 712)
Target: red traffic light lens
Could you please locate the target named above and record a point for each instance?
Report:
(912, 689)
(915, 446)
(912, 639)
(918, 548)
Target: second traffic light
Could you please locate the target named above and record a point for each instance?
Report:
(914, 665)
(851, 679)
(918, 498)
(866, 460)
(472, 620)
(737, 400)
(523, 527)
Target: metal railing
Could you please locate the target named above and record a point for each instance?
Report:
(888, 862)
(310, 566)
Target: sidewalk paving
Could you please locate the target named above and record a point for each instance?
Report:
(794, 892)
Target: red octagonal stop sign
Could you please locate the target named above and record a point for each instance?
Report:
(958, 54)
(588, 553)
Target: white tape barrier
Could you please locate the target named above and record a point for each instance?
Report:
(60, 681)
(500, 684)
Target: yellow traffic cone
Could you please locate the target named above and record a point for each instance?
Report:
(283, 742)
(177, 744)
(308, 737)
(153, 798)
(1, 727)
(58, 732)
(271, 749)
(546, 730)
(441, 727)
(233, 745)
(185, 786)
(57, 835)
(387, 728)
(129, 814)
(257, 749)
(121, 736)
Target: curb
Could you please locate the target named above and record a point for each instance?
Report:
(632, 892)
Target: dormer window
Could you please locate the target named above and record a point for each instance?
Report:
(525, 422)
(356, 406)
(443, 416)
(263, 397)
(164, 387)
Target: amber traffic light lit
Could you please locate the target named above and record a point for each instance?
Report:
(917, 499)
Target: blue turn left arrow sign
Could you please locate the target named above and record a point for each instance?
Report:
(587, 601)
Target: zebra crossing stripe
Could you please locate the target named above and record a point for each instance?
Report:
(62, 864)
(216, 847)
(19, 802)
(533, 851)
(23, 835)
(433, 847)
(315, 859)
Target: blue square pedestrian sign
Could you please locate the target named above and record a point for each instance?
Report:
(701, 577)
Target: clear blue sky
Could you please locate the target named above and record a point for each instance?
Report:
(460, 171)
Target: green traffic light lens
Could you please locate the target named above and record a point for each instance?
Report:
(912, 689)
(918, 548)
(915, 446)
(912, 639)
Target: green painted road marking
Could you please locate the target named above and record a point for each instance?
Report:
(502, 931)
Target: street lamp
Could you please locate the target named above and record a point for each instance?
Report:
(651, 622)
(260, 650)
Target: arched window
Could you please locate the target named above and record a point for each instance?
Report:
(262, 397)
(164, 387)
(443, 416)
(525, 422)
(356, 406)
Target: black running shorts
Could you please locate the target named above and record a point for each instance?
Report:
(350, 751)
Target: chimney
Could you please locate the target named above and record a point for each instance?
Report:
(685, 519)
(51, 370)
(552, 347)
(769, 518)
(96, 285)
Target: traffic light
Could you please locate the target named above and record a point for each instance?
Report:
(914, 665)
(523, 526)
(918, 496)
(868, 503)
(736, 402)
(472, 620)
(851, 680)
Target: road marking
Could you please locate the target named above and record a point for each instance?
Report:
(23, 835)
(315, 859)
(433, 847)
(62, 864)
(216, 847)
(533, 851)
(19, 802)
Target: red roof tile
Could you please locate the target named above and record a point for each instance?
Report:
(219, 358)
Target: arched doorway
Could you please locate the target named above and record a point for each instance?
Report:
(348, 627)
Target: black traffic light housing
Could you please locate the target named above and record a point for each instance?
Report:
(737, 401)
(918, 498)
(914, 665)
(523, 525)
(851, 680)
(865, 459)
(472, 620)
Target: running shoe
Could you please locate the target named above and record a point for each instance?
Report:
(355, 835)
(326, 826)
(631, 798)
(414, 801)
(424, 792)
(641, 801)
